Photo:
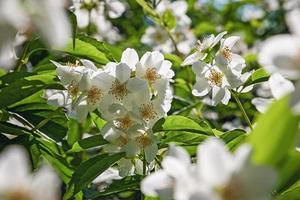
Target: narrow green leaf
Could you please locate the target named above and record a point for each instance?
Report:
(88, 171)
(90, 142)
(181, 123)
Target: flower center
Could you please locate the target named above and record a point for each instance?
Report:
(232, 191)
(69, 64)
(147, 111)
(118, 90)
(94, 95)
(143, 140)
(151, 75)
(226, 53)
(17, 195)
(122, 141)
(124, 122)
(215, 78)
(73, 89)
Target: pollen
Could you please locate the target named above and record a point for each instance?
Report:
(124, 122)
(151, 75)
(232, 191)
(147, 111)
(144, 140)
(215, 78)
(122, 141)
(73, 89)
(69, 64)
(118, 90)
(226, 53)
(17, 195)
(94, 95)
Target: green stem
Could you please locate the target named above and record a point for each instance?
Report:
(242, 109)
(21, 59)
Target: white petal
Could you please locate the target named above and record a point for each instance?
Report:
(88, 64)
(191, 59)
(292, 19)
(214, 162)
(158, 183)
(279, 54)
(151, 151)
(261, 104)
(132, 148)
(218, 38)
(123, 72)
(14, 161)
(280, 86)
(226, 97)
(116, 8)
(201, 88)
(218, 94)
(82, 111)
(46, 184)
(126, 167)
(179, 153)
(231, 41)
(130, 57)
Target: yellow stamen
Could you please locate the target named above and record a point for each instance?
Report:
(151, 75)
(215, 78)
(147, 111)
(118, 90)
(94, 95)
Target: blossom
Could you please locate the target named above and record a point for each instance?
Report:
(44, 184)
(218, 174)
(219, 80)
(178, 9)
(94, 12)
(207, 44)
(27, 16)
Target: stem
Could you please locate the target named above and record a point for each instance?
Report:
(158, 162)
(242, 109)
(144, 163)
(21, 59)
(173, 40)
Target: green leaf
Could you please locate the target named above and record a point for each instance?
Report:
(12, 129)
(258, 76)
(290, 194)
(183, 138)
(125, 184)
(88, 171)
(181, 123)
(86, 50)
(100, 45)
(90, 142)
(275, 133)
(25, 87)
(289, 172)
(74, 133)
(169, 19)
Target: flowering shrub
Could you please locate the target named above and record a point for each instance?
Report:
(149, 99)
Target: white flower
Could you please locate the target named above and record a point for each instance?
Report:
(225, 55)
(279, 87)
(280, 54)
(105, 29)
(218, 174)
(153, 67)
(44, 184)
(178, 9)
(207, 44)
(216, 79)
(159, 39)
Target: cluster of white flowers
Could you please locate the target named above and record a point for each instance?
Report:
(131, 96)
(28, 16)
(158, 38)
(93, 12)
(280, 54)
(16, 181)
(217, 175)
(217, 68)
